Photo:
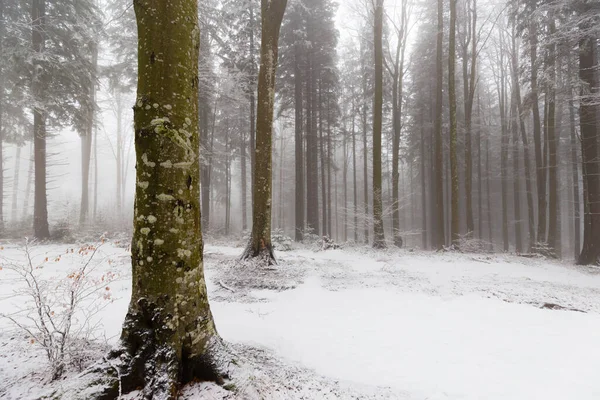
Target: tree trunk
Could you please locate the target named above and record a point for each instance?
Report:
(40, 208)
(454, 224)
(86, 140)
(378, 232)
(354, 185)
(479, 172)
(439, 236)
(322, 164)
(514, 126)
(424, 232)
(15, 191)
(299, 147)
(312, 172)
(589, 151)
(30, 177)
(252, 105)
(537, 136)
(575, 172)
(2, 91)
(260, 242)
(95, 209)
(553, 223)
(118, 101)
(157, 352)
(488, 174)
(525, 140)
(469, 95)
(227, 181)
(243, 181)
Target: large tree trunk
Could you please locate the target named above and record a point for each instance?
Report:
(424, 232)
(397, 93)
(589, 151)
(575, 171)
(260, 242)
(439, 236)
(299, 146)
(252, 103)
(378, 232)
(469, 83)
(40, 208)
(537, 135)
(514, 127)
(553, 206)
(525, 140)
(86, 140)
(312, 172)
(322, 163)
(1, 126)
(488, 174)
(169, 336)
(365, 101)
(454, 222)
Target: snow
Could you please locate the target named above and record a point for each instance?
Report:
(356, 323)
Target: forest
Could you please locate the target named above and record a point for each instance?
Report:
(295, 156)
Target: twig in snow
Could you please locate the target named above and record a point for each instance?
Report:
(224, 286)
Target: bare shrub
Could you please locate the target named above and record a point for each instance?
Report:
(57, 313)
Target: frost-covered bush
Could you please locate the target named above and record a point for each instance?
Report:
(470, 244)
(280, 241)
(57, 312)
(310, 238)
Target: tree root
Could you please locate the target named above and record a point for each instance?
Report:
(264, 253)
(152, 360)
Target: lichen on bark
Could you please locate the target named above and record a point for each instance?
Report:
(168, 337)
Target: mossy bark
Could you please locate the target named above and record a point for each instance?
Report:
(168, 336)
(260, 242)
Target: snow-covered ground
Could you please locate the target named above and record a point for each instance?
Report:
(356, 323)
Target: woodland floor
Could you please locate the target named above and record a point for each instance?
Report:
(360, 324)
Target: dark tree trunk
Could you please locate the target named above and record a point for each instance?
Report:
(553, 206)
(299, 147)
(514, 126)
(40, 208)
(312, 171)
(86, 139)
(589, 151)
(354, 185)
(488, 174)
(525, 140)
(323, 162)
(15, 191)
(469, 82)
(2, 124)
(424, 232)
(260, 242)
(537, 136)
(575, 172)
(479, 173)
(379, 234)
(454, 217)
(439, 236)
